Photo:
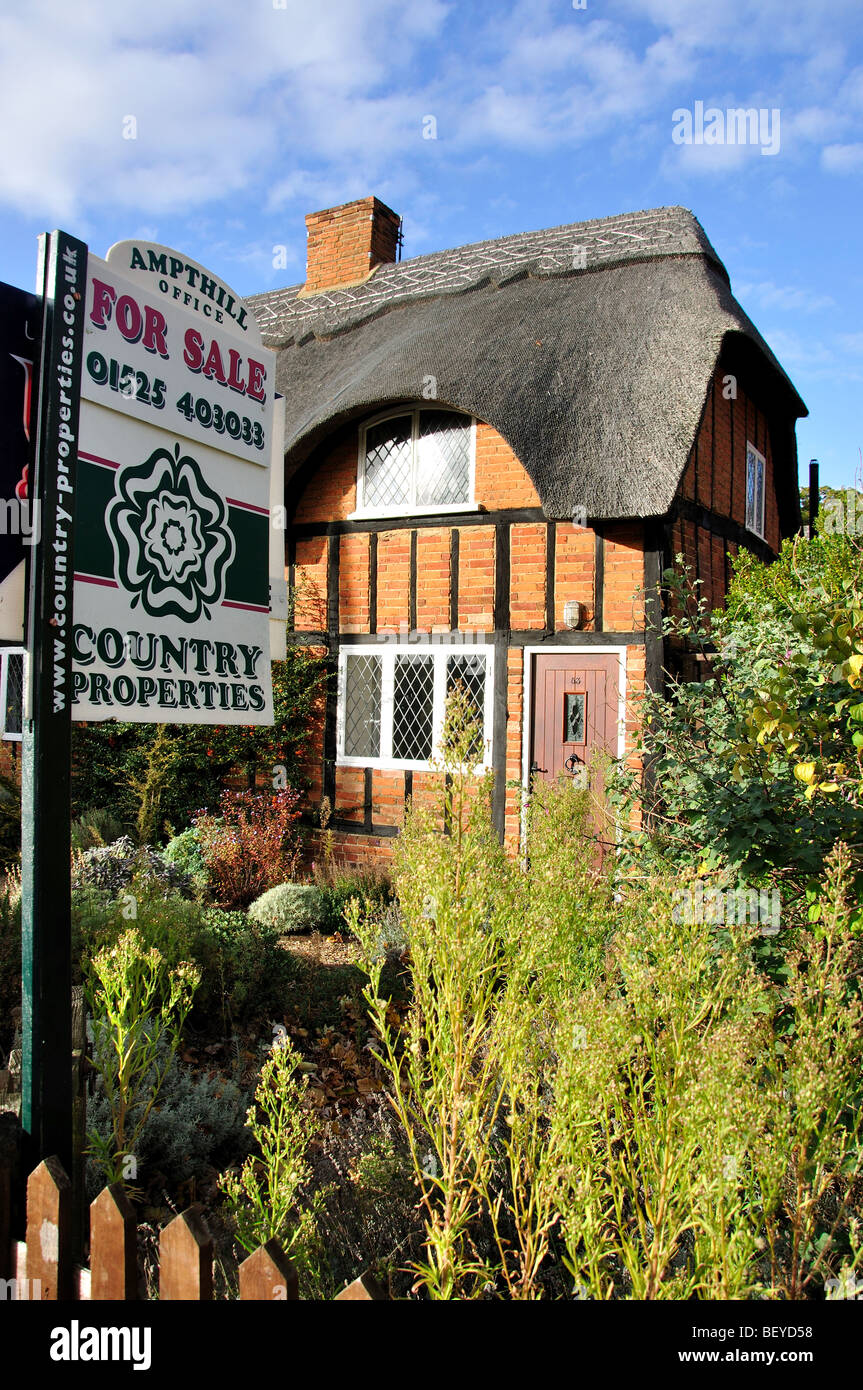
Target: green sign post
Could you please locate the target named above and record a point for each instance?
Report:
(46, 1102)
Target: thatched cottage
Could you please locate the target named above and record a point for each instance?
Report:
(491, 455)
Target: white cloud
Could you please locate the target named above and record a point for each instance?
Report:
(792, 348)
(842, 159)
(220, 95)
(791, 297)
(318, 103)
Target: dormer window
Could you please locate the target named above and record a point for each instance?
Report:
(414, 461)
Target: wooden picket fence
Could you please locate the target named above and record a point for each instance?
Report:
(43, 1265)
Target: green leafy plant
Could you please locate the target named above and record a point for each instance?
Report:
(595, 1088)
(196, 1122)
(263, 1199)
(136, 1003)
(184, 850)
(735, 759)
(338, 886)
(245, 975)
(98, 826)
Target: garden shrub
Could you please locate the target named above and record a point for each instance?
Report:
(289, 907)
(245, 975)
(197, 1123)
(98, 826)
(184, 851)
(338, 886)
(250, 975)
(138, 1007)
(390, 940)
(744, 764)
(264, 1197)
(252, 845)
(114, 867)
(602, 1098)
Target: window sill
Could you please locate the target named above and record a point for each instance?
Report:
(452, 509)
(378, 765)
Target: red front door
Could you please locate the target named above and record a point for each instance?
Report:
(575, 711)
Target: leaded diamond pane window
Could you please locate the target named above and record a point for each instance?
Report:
(389, 456)
(392, 701)
(11, 691)
(413, 708)
(755, 465)
(362, 706)
(467, 673)
(418, 460)
(443, 463)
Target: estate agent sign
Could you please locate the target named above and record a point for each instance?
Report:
(148, 585)
(171, 573)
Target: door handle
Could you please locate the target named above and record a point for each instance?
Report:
(535, 768)
(571, 762)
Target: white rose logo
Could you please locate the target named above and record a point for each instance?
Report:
(172, 545)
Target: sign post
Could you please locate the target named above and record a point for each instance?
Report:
(151, 494)
(46, 1101)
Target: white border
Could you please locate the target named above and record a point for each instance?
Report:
(361, 513)
(527, 705)
(387, 651)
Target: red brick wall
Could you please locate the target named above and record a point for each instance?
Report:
(394, 561)
(715, 478)
(501, 480)
(501, 483)
(527, 582)
(330, 494)
(476, 578)
(310, 601)
(623, 604)
(433, 579)
(354, 584)
(574, 571)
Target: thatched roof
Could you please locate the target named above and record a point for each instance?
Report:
(596, 377)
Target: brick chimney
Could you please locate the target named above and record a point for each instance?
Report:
(346, 243)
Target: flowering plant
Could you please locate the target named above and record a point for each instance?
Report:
(251, 844)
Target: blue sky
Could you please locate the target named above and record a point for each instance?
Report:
(249, 115)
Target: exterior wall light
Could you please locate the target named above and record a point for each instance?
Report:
(572, 613)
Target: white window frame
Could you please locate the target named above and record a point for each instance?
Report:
(387, 652)
(412, 508)
(5, 653)
(755, 457)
